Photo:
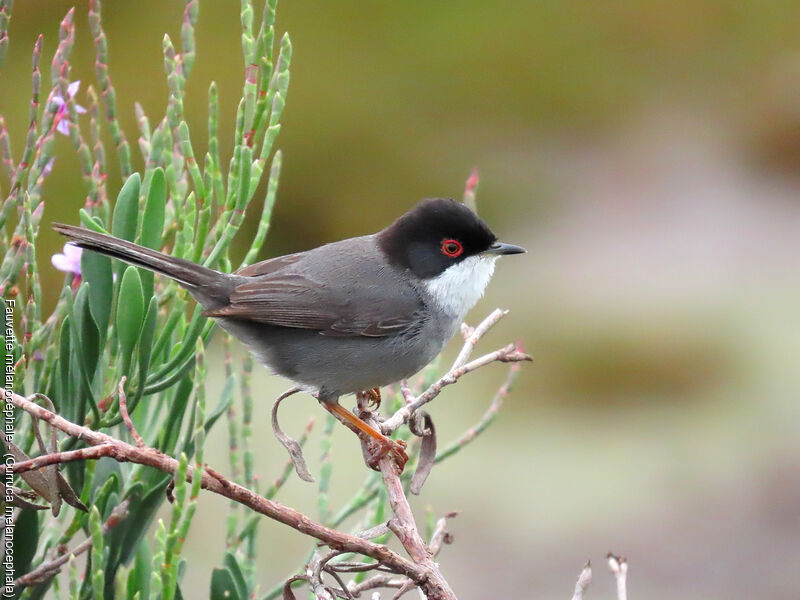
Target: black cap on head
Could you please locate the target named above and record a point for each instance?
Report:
(436, 233)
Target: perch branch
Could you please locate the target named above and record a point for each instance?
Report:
(473, 335)
(92, 452)
(422, 574)
(509, 353)
(405, 528)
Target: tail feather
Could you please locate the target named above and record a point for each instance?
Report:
(190, 275)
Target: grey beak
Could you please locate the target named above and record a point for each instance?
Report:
(501, 248)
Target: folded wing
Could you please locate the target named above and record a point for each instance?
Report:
(349, 297)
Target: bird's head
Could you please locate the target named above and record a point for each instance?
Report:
(447, 246)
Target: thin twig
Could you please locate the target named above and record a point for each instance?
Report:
(509, 353)
(51, 567)
(421, 573)
(584, 579)
(619, 567)
(378, 581)
(473, 335)
(123, 409)
(486, 419)
(92, 452)
(440, 534)
(405, 528)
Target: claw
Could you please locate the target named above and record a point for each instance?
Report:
(383, 447)
(372, 397)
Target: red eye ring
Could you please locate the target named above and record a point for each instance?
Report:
(452, 248)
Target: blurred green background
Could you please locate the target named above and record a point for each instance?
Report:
(646, 154)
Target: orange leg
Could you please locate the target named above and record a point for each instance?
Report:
(397, 448)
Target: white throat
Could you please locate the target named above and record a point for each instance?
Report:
(461, 285)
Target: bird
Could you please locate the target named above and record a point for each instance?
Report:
(348, 316)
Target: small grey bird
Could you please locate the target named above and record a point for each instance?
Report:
(348, 316)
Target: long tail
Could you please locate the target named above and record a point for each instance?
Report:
(188, 274)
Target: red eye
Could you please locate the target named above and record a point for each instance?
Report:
(452, 248)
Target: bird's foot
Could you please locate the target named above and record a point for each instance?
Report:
(371, 397)
(381, 447)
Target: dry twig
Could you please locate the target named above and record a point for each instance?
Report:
(50, 568)
(619, 567)
(584, 579)
(420, 573)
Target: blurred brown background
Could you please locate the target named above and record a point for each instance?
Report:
(647, 155)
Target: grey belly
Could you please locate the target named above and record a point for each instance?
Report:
(341, 365)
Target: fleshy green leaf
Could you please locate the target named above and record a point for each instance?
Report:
(66, 390)
(233, 566)
(130, 311)
(126, 210)
(88, 333)
(26, 537)
(223, 586)
(146, 343)
(141, 515)
(139, 577)
(153, 222)
(96, 271)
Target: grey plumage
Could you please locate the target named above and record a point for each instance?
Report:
(337, 319)
(348, 316)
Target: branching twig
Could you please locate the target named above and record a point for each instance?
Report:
(92, 452)
(619, 567)
(405, 528)
(123, 409)
(440, 534)
(49, 568)
(393, 570)
(473, 335)
(509, 353)
(584, 579)
(421, 573)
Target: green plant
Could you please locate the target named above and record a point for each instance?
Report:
(122, 347)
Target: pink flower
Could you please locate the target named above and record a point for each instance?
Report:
(62, 117)
(69, 261)
(48, 167)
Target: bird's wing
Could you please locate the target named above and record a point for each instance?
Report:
(353, 295)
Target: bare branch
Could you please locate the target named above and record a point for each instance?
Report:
(405, 528)
(123, 409)
(440, 535)
(509, 353)
(584, 579)
(378, 581)
(373, 532)
(473, 335)
(92, 452)
(619, 567)
(421, 574)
